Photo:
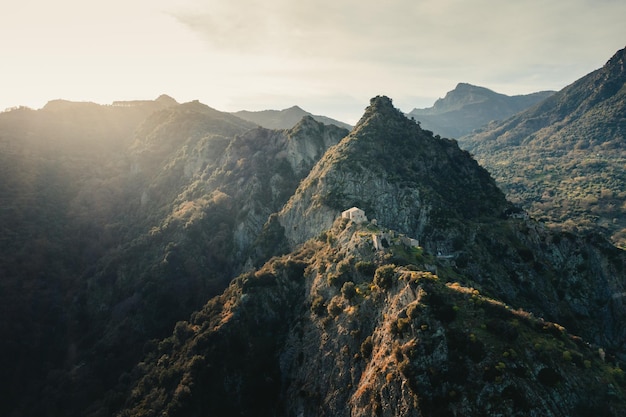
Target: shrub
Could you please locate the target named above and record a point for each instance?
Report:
(317, 305)
(295, 269)
(549, 377)
(182, 331)
(367, 347)
(333, 280)
(366, 268)
(348, 290)
(343, 267)
(413, 311)
(402, 325)
(567, 356)
(384, 276)
(334, 307)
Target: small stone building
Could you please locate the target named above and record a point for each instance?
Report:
(355, 214)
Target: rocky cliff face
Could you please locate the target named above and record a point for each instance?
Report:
(262, 168)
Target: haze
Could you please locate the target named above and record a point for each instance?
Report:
(328, 57)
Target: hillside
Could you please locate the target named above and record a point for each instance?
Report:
(469, 107)
(60, 199)
(285, 119)
(107, 244)
(563, 160)
(492, 315)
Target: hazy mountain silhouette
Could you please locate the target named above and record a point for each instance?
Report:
(470, 107)
(284, 119)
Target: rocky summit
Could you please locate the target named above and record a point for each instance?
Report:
(400, 174)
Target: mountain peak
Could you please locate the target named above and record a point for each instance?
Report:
(469, 107)
(615, 70)
(382, 101)
(416, 177)
(381, 108)
(618, 58)
(166, 100)
(382, 104)
(470, 87)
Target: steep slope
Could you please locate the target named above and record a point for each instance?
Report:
(61, 187)
(564, 159)
(213, 196)
(493, 315)
(470, 107)
(110, 250)
(285, 119)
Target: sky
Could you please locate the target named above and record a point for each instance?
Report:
(327, 56)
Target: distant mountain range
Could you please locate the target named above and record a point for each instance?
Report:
(470, 107)
(564, 159)
(284, 119)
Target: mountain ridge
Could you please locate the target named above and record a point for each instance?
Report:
(286, 118)
(117, 245)
(469, 107)
(563, 159)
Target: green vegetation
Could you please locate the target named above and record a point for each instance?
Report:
(563, 161)
(384, 276)
(348, 290)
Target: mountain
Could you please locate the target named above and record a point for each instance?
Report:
(118, 221)
(492, 314)
(563, 160)
(398, 173)
(200, 265)
(73, 127)
(470, 107)
(284, 119)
